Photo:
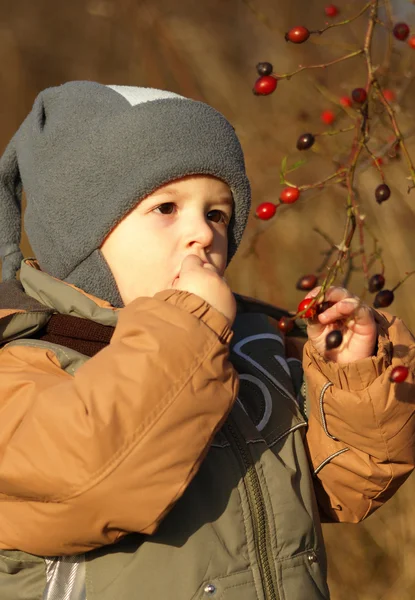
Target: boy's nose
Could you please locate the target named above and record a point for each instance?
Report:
(200, 233)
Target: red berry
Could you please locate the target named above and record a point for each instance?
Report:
(345, 101)
(401, 31)
(306, 282)
(265, 85)
(305, 141)
(383, 299)
(266, 211)
(334, 339)
(304, 305)
(376, 283)
(411, 41)
(382, 193)
(399, 374)
(289, 195)
(328, 117)
(389, 95)
(285, 324)
(264, 68)
(331, 10)
(297, 35)
(359, 95)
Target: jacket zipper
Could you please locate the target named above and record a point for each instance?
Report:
(257, 507)
(304, 395)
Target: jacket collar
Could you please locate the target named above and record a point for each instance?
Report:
(63, 297)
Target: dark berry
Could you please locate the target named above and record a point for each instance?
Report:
(399, 374)
(376, 283)
(359, 95)
(382, 193)
(265, 211)
(331, 10)
(264, 68)
(305, 141)
(289, 195)
(401, 31)
(334, 339)
(322, 306)
(285, 324)
(306, 282)
(297, 35)
(383, 299)
(265, 85)
(304, 305)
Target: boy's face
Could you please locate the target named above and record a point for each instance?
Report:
(187, 216)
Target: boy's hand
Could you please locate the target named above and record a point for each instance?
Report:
(359, 331)
(203, 280)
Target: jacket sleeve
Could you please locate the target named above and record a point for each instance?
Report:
(86, 458)
(361, 434)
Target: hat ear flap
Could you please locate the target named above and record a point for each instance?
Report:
(10, 213)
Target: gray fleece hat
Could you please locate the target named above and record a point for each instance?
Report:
(86, 154)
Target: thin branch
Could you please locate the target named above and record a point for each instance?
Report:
(345, 22)
(321, 66)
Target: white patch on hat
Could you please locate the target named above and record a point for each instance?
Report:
(139, 95)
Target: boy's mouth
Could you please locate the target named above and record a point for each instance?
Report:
(205, 262)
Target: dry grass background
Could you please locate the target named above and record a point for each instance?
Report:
(208, 50)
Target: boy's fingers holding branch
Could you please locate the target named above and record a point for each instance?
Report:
(345, 305)
(352, 317)
(202, 279)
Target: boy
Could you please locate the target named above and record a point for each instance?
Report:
(135, 401)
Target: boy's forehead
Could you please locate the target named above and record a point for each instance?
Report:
(189, 184)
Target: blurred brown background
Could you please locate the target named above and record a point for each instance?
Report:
(208, 50)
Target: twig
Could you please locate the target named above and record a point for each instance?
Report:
(321, 66)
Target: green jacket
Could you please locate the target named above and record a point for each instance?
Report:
(246, 525)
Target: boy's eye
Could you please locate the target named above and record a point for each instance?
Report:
(217, 216)
(166, 208)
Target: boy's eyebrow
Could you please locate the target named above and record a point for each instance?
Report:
(225, 198)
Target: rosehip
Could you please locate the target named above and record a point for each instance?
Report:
(376, 283)
(297, 35)
(331, 10)
(306, 282)
(399, 374)
(264, 68)
(285, 324)
(334, 339)
(345, 101)
(289, 195)
(359, 95)
(265, 85)
(304, 305)
(401, 31)
(411, 41)
(383, 299)
(382, 193)
(266, 211)
(389, 95)
(328, 117)
(305, 141)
